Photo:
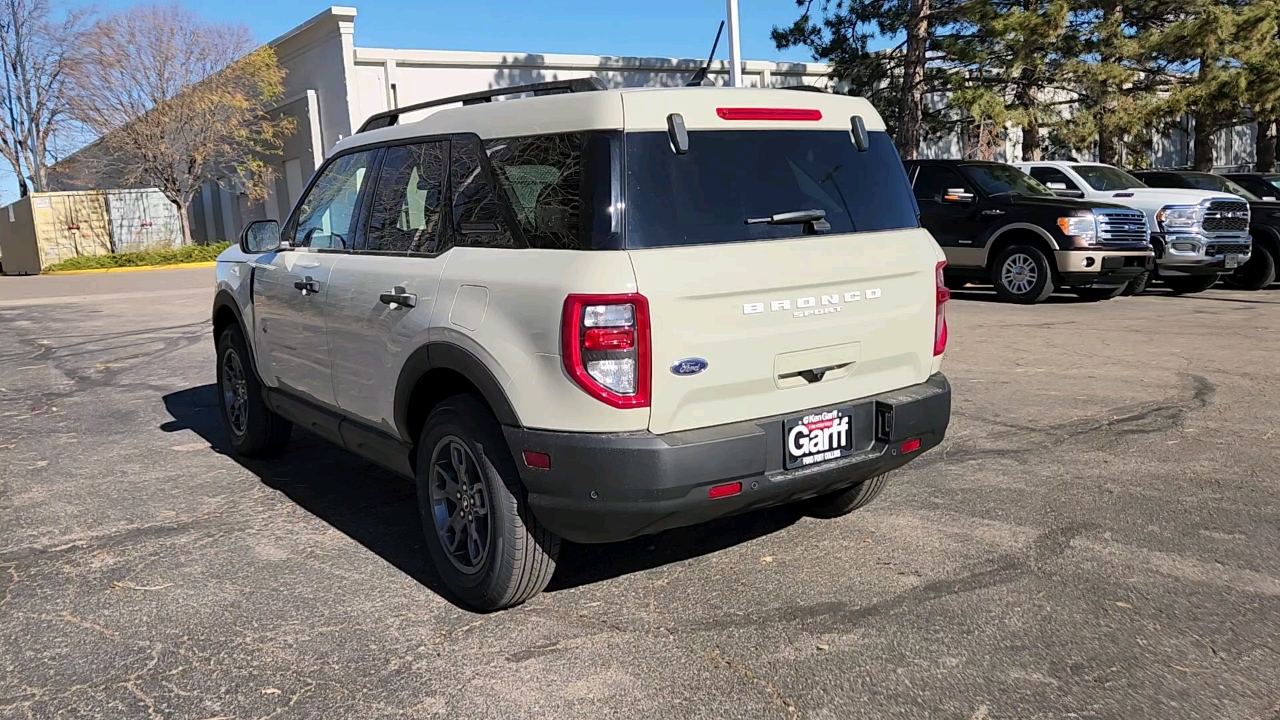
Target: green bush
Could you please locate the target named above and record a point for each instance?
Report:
(175, 256)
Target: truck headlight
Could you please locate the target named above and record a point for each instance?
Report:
(1084, 227)
(1178, 216)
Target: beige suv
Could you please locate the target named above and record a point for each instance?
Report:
(595, 314)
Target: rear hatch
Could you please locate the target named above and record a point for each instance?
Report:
(786, 317)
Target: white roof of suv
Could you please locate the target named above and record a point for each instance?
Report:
(634, 109)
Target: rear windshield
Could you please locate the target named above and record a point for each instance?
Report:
(728, 176)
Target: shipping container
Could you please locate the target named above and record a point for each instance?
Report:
(47, 228)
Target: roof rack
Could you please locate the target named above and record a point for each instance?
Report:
(804, 88)
(391, 117)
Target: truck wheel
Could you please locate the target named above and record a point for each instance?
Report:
(843, 502)
(1022, 275)
(485, 542)
(1138, 285)
(1190, 284)
(1095, 294)
(254, 429)
(1256, 274)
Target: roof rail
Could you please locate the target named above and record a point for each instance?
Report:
(391, 117)
(803, 88)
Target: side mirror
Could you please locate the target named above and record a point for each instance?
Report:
(1056, 185)
(260, 236)
(957, 196)
(1068, 193)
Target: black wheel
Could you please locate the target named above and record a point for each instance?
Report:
(1189, 284)
(1095, 294)
(487, 546)
(254, 429)
(1256, 274)
(843, 502)
(1022, 275)
(1138, 285)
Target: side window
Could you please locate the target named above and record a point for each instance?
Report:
(932, 181)
(1053, 178)
(324, 217)
(406, 217)
(477, 215)
(541, 178)
(1160, 180)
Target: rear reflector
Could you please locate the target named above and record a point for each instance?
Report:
(537, 460)
(911, 446)
(726, 490)
(597, 339)
(781, 114)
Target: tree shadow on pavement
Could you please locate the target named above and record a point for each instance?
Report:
(379, 509)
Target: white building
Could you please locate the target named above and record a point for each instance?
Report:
(332, 86)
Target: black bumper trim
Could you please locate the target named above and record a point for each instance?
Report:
(609, 487)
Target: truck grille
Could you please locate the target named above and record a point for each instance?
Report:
(1117, 226)
(1225, 248)
(1226, 216)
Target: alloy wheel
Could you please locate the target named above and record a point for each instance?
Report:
(1019, 273)
(460, 504)
(235, 392)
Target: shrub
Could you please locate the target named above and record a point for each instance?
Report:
(174, 256)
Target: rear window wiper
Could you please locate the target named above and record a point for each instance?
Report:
(814, 220)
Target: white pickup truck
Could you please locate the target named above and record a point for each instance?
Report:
(1197, 235)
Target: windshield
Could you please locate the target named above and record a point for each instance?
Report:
(1105, 177)
(730, 176)
(996, 179)
(1205, 181)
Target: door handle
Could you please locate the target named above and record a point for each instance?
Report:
(992, 212)
(398, 297)
(307, 286)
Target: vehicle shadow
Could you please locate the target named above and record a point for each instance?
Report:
(988, 294)
(379, 509)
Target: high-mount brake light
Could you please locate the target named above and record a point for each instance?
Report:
(940, 321)
(781, 114)
(606, 349)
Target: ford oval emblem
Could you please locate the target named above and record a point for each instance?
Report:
(689, 366)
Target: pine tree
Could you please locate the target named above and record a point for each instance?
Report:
(897, 80)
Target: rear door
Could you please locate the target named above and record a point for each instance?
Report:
(787, 317)
(382, 296)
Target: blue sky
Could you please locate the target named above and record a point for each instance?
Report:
(662, 28)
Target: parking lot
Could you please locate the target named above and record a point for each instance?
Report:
(1098, 537)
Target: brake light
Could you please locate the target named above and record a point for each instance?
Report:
(768, 114)
(940, 322)
(605, 347)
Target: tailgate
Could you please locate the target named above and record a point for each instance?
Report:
(786, 325)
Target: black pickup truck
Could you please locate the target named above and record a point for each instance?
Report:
(1264, 220)
(999, 225)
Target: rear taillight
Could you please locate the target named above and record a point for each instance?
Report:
(605, 347)
(940, 323)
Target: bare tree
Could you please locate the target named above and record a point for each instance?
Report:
(35, 49)
(179, 102)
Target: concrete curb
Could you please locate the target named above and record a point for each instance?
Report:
(133, 268)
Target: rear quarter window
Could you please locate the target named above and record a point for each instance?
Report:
(727, 176)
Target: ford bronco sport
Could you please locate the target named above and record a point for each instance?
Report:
(998, 225)
(595, 314)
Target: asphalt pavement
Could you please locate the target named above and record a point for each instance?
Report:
(1098, 537)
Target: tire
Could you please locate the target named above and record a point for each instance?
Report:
(1256, 274)
(1090, 294)
(1022, 275)
(254, 429)
(1138, 285)
(485, 542)
(843, 502)
(1190, 284)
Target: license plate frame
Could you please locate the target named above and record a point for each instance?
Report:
(830, 432)
(1231, 261)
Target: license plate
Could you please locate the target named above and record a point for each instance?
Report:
(818, 437)
(1232, 261)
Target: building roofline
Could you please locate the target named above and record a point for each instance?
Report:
(336, 13)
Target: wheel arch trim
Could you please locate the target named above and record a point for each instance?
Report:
(440, 355)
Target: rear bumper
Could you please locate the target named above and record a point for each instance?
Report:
(1101, 268)
(609, 487)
